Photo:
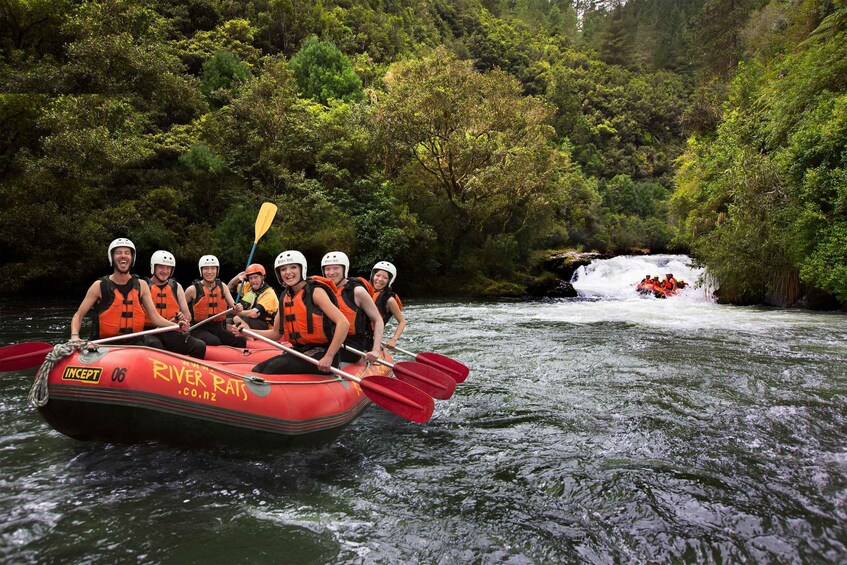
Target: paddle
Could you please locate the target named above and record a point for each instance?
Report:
(443, 363)
(395, 396)
(428, 379)
(31, 354)
(22, 356)
(263, 222)
(218, 315)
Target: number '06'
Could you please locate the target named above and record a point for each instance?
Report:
(119, 374)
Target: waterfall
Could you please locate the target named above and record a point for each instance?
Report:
(617, 277)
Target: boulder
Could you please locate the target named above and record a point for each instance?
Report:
(551, 287)
(564, 264)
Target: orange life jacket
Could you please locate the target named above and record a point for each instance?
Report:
(164, 299)
(303, 323)
(359, 322)
(207, 304)
(381, 298)
(116, 313)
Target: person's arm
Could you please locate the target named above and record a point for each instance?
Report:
(329, 309)
(395, 310)
(91, 298)
(190, 294)
(239, 278)
(183, 303)
(266, 304)
(150, 308)
(230, 301)
(273, 333)
(366, 303)
(253, 312)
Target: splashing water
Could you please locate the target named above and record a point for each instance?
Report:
(616, 278)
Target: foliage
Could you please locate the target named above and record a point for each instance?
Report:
(223, 76)
(618, 121)
(456, 138)
(472, 154)
(201, 158)
(324, 73)
(764, 201)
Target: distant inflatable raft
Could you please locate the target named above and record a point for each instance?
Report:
(130, 394)
(657, 292)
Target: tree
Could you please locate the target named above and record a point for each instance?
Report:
(223, 76)
(619, 121)
(324, 73)
(472, 155)
(717, 30)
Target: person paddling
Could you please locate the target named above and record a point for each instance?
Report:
(207, 297)
(308, 318)
(355, 300)
(170, 303)
(387, 302)
(121, 301)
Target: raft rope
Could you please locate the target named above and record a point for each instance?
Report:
(38, 394)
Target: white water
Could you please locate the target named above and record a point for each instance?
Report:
(607, 295)
(616, 278)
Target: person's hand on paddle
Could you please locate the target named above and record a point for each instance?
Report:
(238, 308)
(391, 343)
(237, 327)
(372, 356)
(179, 319)
(325, 363)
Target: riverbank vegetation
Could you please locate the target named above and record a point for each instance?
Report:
(458, 139)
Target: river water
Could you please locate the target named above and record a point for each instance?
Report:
(604, 429)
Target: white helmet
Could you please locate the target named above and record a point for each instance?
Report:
(336, 258)
(208, 261)
(288, 258)
(161, 257)
(122, 242)
(388, 268)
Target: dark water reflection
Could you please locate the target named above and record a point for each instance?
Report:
(587, 432)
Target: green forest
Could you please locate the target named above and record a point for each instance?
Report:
(464, 140)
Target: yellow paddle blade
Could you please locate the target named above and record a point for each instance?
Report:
(264, 219)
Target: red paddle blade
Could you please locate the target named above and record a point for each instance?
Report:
(22, 356)
(428, 379)
(398, 397)
(443, 363)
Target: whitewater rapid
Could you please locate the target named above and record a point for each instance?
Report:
(617, 277)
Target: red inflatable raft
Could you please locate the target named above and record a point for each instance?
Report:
(133, 393)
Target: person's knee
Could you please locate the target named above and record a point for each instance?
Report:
(268, 366)
(152, 341)
(208, 338)
(196, 348)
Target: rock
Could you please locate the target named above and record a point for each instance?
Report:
(563, 290)
(566, 263)
(551, 288)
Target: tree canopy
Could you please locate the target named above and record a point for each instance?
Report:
(456, 139)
